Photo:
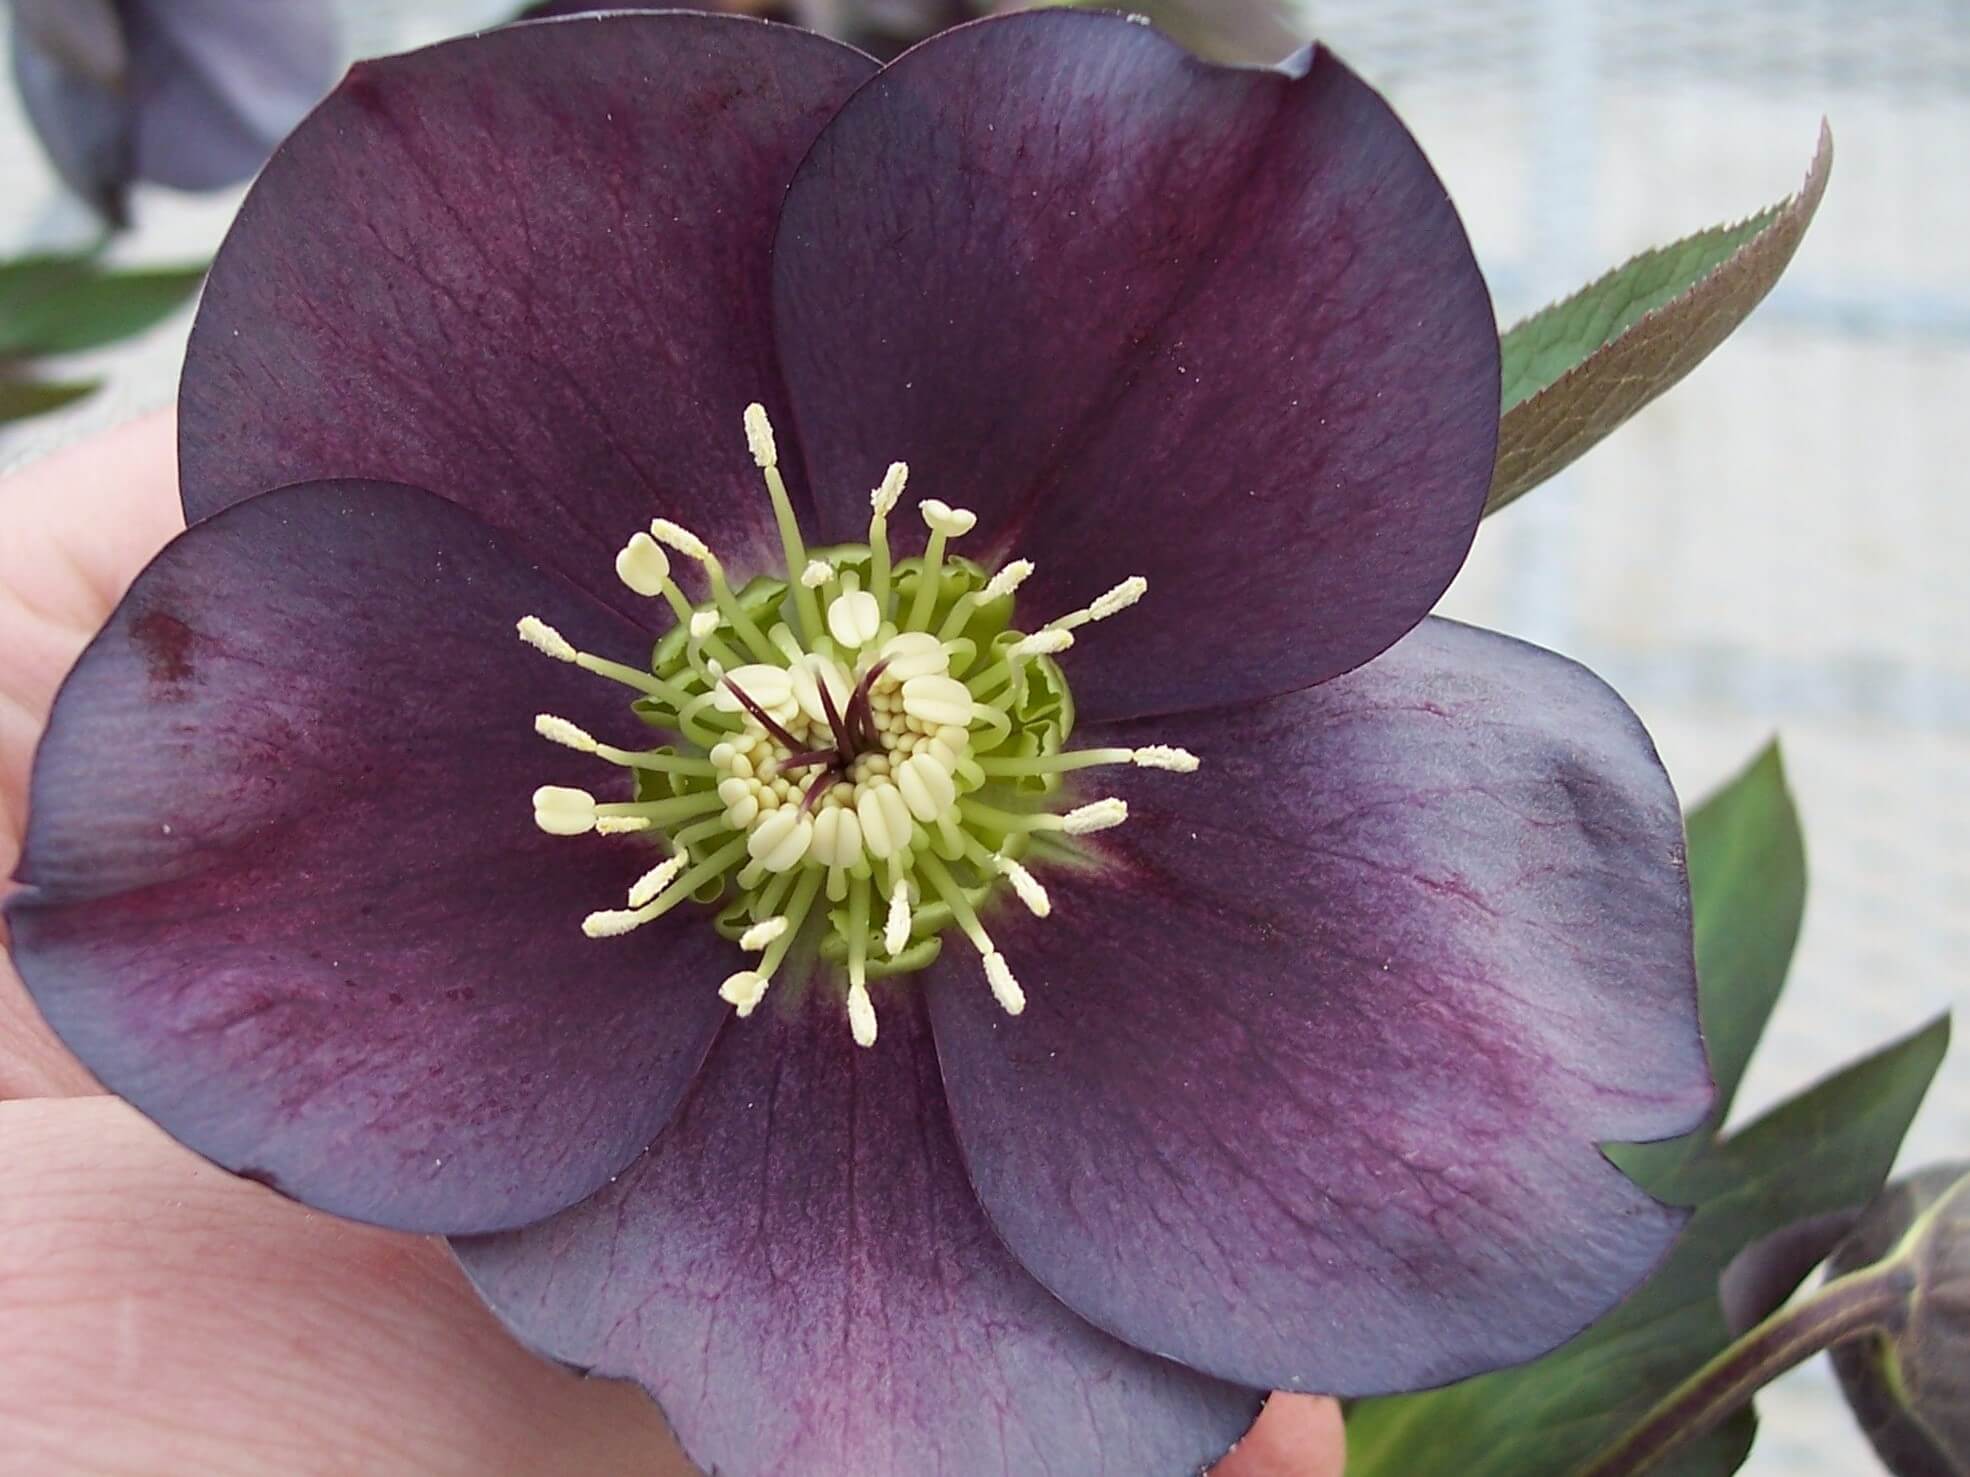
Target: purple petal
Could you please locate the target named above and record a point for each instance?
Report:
(526, 270)
(1310, 1083)
(1145, 315)
(71, 68)
(286, 894)
(800, 1275)
(220, 83)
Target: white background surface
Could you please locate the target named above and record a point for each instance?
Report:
(1779, 546)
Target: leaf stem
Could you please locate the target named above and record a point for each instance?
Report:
(1870, 1300)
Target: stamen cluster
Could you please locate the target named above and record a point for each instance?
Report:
(864, 748)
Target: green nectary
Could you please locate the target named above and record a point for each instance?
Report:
(863, 750)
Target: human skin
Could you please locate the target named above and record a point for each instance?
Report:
(162, 1316)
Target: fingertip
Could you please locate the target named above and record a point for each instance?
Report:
(1295, 1436)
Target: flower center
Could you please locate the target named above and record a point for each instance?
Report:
(864, 751)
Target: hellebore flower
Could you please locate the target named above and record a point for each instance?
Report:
(941, 1096)
(188, 93)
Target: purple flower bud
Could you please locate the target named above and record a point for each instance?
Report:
(188, 93)
(1910, 1388)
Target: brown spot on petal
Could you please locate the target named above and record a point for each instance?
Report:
(166, 644)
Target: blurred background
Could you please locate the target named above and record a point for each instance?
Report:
(1780, 546)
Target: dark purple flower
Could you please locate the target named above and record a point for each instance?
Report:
(188, 93)
(1035, 1141)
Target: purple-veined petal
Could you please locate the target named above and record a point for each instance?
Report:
(527, 270)
(285, 892)
(1309, 1085)
(800, 1275)
(1148, 316)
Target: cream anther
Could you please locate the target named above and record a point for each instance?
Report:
(896, 930)
(679, 538)
(861, 1016)
(703, 623)
(837, 837)
(884, 499)
(759, 437)
(1162, 756)
(1112, 602)
(1005, 989)
(1096, 815)
(779, 841)
(1119, 599)
(611, 923)
(806, 678)
(762, 933)
(1005, 581)
(817, 573)
(560, 811)
(770, 687)
(885, 818)
(561, 731)
(915, 654)
(643, 565)
(927, 787)
(743, 991)
(947, 520)
(1027, 886)
(622, 825)
(854, 618)
(937, 700)
(545, 639)
(657, 879)
(1049, 642)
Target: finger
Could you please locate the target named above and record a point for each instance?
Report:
(80, 524)
(1296, 1436)
(164, 1317)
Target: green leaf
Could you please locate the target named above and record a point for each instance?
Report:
(1747, 863)
(1577, 369)
(1826, 1149)
(20, 399)
(65, 304)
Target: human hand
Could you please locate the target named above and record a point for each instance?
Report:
(164, 1316)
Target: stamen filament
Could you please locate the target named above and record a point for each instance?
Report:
(1097, 815)
(883, 502)
(771, 895)
(630, 677)
(735, 615)
(688, 715)
(1045, 764)
(929, 579)
(561, 731)
(798, 908)
(859, 889)
(945, 523)
(947, 888)
(612, 923)
(998, 587)
(759, 440)
(697, 831)
(1111, 602)
(664, 812)
(550, 642)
